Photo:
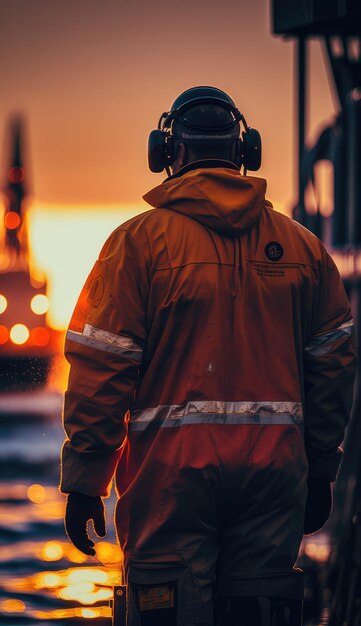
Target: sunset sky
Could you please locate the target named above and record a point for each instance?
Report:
(93, 77)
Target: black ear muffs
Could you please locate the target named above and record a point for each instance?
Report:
(161, 142)
(157, 158)
(251, 149)
(160, 150)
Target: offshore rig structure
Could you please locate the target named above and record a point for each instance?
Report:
(337, 24)
(27, 342)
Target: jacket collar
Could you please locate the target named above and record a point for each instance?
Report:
(204, 163)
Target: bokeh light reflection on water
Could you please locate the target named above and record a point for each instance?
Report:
(99, 611)
(320, 552)
(36, 493)
(43, 577)
(12, 606)
(86, 585)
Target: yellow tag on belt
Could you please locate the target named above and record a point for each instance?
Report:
(155, 598)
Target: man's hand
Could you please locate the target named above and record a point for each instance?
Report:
(318, 504)
(81, 508)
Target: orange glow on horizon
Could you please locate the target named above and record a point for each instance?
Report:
(65, 244)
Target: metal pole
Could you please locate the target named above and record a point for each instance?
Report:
(300, 71)
(354, 163)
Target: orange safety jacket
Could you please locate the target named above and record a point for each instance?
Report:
(210, 313)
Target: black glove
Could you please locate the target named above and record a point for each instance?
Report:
(81, 508)
(318, 504)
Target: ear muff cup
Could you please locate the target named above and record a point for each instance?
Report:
(157, 157)
(160, 150)
(252, 149)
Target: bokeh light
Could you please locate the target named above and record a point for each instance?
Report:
(80, 591)
(91, 574)
(318, 551)
(4, 335)
(51, 580)
(40, 336)
(12, 606)
(16, 175)
(12, 220)
(75, 555)
(39, 304)
(108, 552)
(3, 303)
(19, 334)
(52, 551)
(88, 613)
(87, 597)
(36, 493)
(97, 611)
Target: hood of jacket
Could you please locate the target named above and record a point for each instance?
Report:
(218, 197)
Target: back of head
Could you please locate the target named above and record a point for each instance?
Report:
(204, 121)
(212, 142)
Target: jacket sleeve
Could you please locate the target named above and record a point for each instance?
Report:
(329, 369)
(104, 346)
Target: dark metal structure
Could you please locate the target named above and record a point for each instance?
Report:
(28, 344)
(337, 23)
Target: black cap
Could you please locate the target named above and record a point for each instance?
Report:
(204, 95)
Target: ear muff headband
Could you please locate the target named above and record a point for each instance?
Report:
(161, 142)
(180, 114)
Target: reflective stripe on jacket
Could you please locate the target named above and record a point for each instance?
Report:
(209, 310)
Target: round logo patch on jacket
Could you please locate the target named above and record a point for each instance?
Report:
(274, 251)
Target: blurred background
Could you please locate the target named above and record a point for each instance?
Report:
(83, 82)
(90, 79)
